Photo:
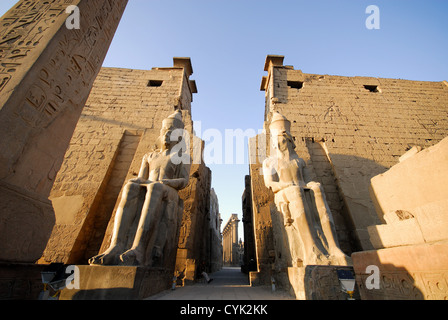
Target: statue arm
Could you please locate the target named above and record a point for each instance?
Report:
(144, 170)
(182, 180)
(270, 176)
(301, 165)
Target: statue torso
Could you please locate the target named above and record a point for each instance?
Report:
(160, 166)
(288, 170)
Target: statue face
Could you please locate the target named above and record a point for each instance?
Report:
(165, 136)
(280, 141)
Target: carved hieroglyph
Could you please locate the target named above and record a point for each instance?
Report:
(158, 218)
(307, 217)
(46, 74)
(46, 69)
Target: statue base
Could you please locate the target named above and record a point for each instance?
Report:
(21, 281)
(316, 282)
(415, 272)
(118, 283)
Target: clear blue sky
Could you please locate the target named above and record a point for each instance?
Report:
(229, 40)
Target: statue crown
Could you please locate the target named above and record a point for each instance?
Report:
(279, 123)
(174, 120)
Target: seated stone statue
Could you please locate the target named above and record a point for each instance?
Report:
(162, 178)
(283, 173)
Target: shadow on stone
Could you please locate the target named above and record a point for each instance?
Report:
(106, 294)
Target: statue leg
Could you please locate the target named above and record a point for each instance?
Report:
(283, 206)
(124, 216)
(326, 219)
(148, 221)
(297, 208)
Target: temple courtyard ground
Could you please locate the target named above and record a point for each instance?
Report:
(227, 284)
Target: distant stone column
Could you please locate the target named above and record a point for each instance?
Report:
(47, 69)
(235, 253)
(235, 230)
(230, 241)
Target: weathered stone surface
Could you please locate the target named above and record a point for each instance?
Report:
(47, 72)
(25, 224)
(406, 232)
(412, 258)
(216, 250)
(193, 249)
(262, 199)
(249, 262)
(118, 283)
(412, 197)
(318, 283)
(405, 273)
(20, 281)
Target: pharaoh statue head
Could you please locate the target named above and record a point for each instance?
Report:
(169, 127)
(280, 132)
(174, 121)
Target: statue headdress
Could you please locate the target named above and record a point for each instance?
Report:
(174, 120)
(279, 123)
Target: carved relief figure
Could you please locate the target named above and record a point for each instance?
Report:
(303, 205)
(159, 215)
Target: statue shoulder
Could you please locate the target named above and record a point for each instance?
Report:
(268, 162)
(300, 162)
(148, 156)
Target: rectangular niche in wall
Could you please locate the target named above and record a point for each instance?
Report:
(295, 84)
(155, 83)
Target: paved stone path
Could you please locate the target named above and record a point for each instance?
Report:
(227, 284)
